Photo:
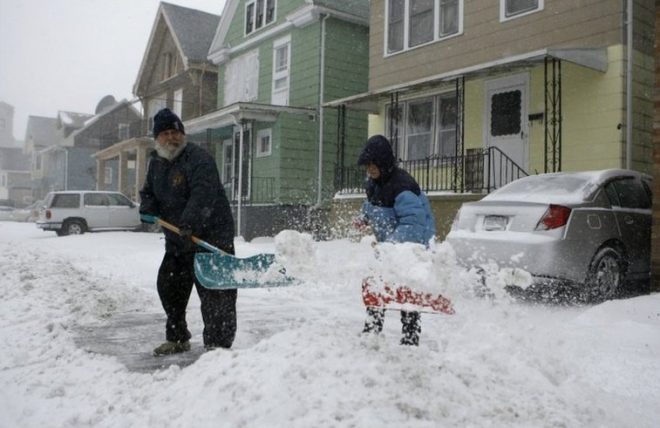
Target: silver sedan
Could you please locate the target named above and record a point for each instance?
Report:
(578, 231)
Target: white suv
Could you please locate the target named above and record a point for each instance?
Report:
(76, 212)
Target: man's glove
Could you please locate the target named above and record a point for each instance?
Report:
(186, 238)
(148, 218)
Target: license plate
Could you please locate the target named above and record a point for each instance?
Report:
(495, 222)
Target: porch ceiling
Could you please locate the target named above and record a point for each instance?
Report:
(238, 112)
(592, 58)
(124, 146)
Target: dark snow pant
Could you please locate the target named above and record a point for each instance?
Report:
(175, 279)
(411, 325)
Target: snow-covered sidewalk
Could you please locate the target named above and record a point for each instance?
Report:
(298, 359)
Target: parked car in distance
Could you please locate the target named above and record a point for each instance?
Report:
(6, 213)
(29, 213)
(582, 231)
(77, 212)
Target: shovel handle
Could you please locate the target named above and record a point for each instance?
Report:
(195, 239)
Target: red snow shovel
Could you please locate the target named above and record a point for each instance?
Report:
(403, 298)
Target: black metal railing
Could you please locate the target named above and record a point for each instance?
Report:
(483, 170)
(262, 190)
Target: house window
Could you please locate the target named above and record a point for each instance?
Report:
(227, 162)
(154, 105)
(107, 176)
(281, 61)
(448, 21)
(177, 103)
(446, 125)
(258, 14)
(419, 129)
(124, 131)
(421, 22)
(264, 142)
(242, 78)
(169, 65)
(426, 127)
(412, 23)
(3, 124)
(513, 8)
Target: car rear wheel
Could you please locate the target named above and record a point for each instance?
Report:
(73, 227)
(605, 276)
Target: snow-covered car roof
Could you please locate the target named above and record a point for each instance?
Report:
(558, 187)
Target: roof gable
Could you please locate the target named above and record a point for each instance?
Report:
(303, 12)
(191, 30)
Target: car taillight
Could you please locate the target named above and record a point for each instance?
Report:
(554, 217)
(48, 214)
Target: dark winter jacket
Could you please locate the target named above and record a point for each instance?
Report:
(396, 208)
(187, 192)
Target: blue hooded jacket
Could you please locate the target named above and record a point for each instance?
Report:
(396, 208)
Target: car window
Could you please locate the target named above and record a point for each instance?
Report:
(627, 193)
(117, 199)
(647, 189)
(66, 200)
(95, 199)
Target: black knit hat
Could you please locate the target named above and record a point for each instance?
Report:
(164, 120)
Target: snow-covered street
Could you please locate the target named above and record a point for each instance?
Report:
(299, 359)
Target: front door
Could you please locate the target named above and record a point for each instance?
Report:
(506, 126)
(242, 170)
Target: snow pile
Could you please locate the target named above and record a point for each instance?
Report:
(299, 359)
(297, 252)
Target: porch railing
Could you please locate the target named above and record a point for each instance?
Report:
(478, 171)
(262, 190)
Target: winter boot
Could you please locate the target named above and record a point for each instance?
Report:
(374, 321)
(410, 328)
(170, 348)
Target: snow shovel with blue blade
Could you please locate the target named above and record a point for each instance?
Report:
(220, 270)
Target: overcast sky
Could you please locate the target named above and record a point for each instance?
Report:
(68, 54)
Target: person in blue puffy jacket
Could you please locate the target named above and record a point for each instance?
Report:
(397, 211)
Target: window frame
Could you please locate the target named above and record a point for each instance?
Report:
(177, 102)
(170, 63)
(123, 131)
(268, 132)
(228, 163)
(504, 17)
(107, 175)
(435, 146)
(405, 32)
(281, 74)
(250, 14)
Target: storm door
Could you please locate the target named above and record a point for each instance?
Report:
(506, 126)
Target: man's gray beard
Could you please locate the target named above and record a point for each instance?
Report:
(170, 154)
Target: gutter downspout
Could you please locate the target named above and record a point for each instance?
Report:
(629, 83)
(66, 169)
(321, 117)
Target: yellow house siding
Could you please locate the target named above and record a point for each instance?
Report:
(565, 23)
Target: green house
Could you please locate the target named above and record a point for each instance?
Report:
(278, 150)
